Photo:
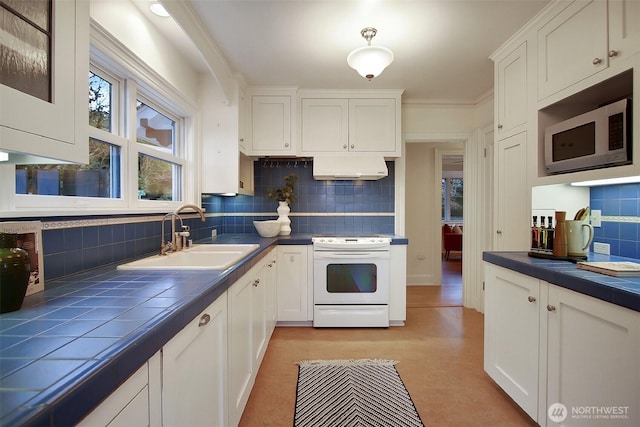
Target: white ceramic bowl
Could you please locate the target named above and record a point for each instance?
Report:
(269, 228)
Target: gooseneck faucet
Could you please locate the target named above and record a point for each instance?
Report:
(173, 245)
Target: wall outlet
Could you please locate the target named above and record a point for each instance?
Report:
(601, 248)
(595, 217)
(214, 232)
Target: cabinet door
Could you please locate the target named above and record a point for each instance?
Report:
(511, 91)
(259, 316)
(292, 283)
(572, 46)
(56, 129)
(512, 224)
(325, 125)
(624, 29)
(240, 343)
(372, 125)
(271, 125)
(512, 333)
(128, 405)
(194, 371)
(271, 299)
(593, 358)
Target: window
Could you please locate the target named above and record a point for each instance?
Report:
(101, 178)
(138, 150)
(156, 135)
(452, 197)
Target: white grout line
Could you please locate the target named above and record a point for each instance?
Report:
(629, 219)
(57, 225)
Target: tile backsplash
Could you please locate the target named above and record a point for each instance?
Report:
(74, 244)
(620, 210)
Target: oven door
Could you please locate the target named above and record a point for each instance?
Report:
(351, 277)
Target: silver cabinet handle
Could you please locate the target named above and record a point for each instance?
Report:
(286, 144)
(344, 146)
(498, 232)
(204, 320)
(596, 61)
(499, 126)
(531, 299)
(550, 307)
(256, 283)
(353, 146)
(613, 53)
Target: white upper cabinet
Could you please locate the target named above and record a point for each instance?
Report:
(624, 28)
(57, 129)
(373, 126)
(356, 122)
(325, 125)
(511, 91)
(572, 46)
(271, 124)
(583, 39)
(224, 168)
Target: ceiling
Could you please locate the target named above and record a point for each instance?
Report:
(441, 47)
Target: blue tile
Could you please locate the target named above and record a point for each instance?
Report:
(34, 347)
(72, 239)
(90, 237)
(105, 235)
(41, 374)
(53, 241)
(116, 328)
(73, 328)
(32, 327)
(103, 313)
(629, 207)
(83, 348)
(12, 399)
(66, 313)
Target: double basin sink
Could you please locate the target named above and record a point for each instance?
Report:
(197, 257)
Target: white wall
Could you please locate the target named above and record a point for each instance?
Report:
(428, 127)
(125, 22)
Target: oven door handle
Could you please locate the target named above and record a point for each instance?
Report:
(351, 255)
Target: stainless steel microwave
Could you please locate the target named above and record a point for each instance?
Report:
(597, 139)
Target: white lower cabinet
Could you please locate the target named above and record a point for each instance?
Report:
(248, 333)
(194, 371)
(130, 404)
(511, 334)
(593, 360)
(293, 283)
(547, 345)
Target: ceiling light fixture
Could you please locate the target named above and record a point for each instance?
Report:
(369, 61)
(158, 9)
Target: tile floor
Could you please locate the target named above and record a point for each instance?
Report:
(440, 354)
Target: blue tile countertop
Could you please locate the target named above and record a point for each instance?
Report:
(73, 344)
(622, 291)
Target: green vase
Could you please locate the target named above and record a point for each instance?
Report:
(15, 269)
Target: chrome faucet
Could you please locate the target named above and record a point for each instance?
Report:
(177, 238)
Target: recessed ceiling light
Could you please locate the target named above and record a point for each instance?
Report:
(159, 9)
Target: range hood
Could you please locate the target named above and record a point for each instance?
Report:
(349, 167)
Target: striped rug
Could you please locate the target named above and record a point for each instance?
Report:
(352, 393)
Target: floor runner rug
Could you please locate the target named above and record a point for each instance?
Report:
(352, 393)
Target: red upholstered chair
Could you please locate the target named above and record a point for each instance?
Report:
(451, 241)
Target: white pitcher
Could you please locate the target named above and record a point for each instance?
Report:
(579, 237)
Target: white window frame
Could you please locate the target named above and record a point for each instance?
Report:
(137, 80)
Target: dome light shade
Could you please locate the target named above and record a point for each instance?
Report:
(369, 61)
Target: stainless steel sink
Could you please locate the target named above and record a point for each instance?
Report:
(198, 257)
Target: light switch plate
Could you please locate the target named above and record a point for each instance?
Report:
(601, 248)
(595, 217)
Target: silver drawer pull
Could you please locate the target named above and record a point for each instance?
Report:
(550, 307)
(532, 299)
(204, 320)
(597, 61)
